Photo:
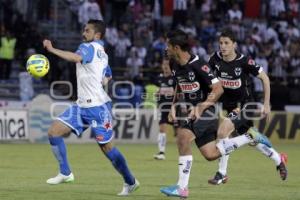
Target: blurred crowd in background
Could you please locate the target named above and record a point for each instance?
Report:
(267, 30)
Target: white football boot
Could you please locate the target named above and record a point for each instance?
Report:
(127, 189)
(60, 178)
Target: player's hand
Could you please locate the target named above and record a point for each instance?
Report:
(192, 113)
(198, 111)
(266, 110)
(172, 114)
(48, 45)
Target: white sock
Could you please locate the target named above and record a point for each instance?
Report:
(162, 140)
(269, 152)
(185, 166)
(227, 146)
(223, 161)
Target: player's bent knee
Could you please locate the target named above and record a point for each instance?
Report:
(209, 155)
(107, 147)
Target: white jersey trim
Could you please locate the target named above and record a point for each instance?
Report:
(69, 125)
(195, 59)
(215, 80)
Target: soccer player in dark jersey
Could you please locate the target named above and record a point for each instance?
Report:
(233, 70)
(197, 90)
(165, 96)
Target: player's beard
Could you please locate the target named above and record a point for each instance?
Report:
(84, 39)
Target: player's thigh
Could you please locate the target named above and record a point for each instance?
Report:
(100, 120)
(205, 129)
(58, 128)
(72, 118)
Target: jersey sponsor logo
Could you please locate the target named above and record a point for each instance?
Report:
(231, 84)
(238, 71)
(251, 62)
(205, 68)
(224, 74)
(189, 87)
(166, 90)
(191, 76)
(99, 138)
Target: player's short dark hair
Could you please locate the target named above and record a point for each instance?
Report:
(228, 33)
(99, 26)
(180, 38)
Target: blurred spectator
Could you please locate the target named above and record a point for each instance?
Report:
(7, 54)
(276, 7)
(198, 49)
(140, 50)
(159, 45)
(207, 32)
(235, 13)
(189, 28)
(89, 10)
(121, 47)
(43, 7)
(111, 37)
(134, 64)
(179, 12)
(157, 12)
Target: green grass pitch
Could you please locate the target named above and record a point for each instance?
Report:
(24, 169)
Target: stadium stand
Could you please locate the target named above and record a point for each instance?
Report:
(267, 31)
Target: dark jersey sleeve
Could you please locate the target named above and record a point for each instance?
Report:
(212, 61)
(252, 67)
(206, 73)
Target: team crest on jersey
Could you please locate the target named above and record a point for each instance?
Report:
(170, 81)
(107, 125)
(205, 68)
(251, 62)
(238, 71)
(191, 76)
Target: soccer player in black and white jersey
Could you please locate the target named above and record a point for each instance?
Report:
(197, 91)
(233, 70)
(165, 94)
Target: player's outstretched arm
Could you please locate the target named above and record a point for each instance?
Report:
(66, 55)
(266, 84)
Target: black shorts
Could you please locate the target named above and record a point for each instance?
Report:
(205, 129)
(165, 110)
(243, 120)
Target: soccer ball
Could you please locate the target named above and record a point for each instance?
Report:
(37, 65)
